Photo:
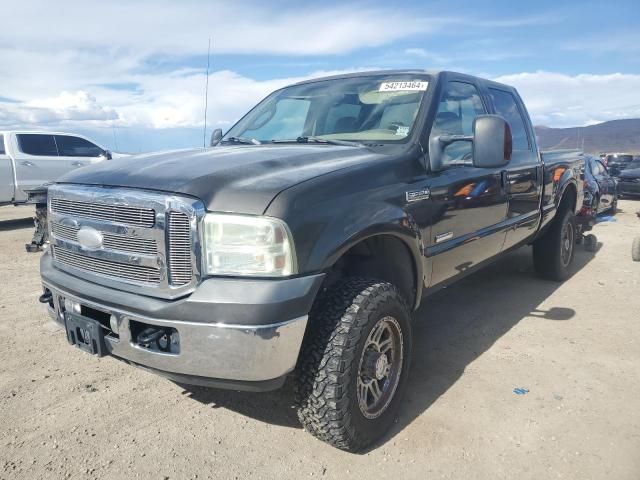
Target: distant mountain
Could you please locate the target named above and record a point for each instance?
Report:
(612, 136)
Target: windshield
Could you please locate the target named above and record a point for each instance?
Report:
(380, 108)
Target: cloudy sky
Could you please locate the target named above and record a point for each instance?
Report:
(131, 73)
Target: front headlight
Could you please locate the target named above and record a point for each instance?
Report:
(247, 245)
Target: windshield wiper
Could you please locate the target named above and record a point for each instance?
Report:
(328, 141)
(243, 140)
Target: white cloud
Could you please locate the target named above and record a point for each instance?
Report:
(170, 27)
(61, 69)
(64, 108)
(85, 65)
(560, 100)
(170, 100)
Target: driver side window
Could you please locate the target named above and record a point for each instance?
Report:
(459, 106)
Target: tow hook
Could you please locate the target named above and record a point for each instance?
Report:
(46, 297)
(166, 340)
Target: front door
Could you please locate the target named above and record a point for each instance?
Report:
(76, 152)
(470, 202)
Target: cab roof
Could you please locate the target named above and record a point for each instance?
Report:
(433, 73)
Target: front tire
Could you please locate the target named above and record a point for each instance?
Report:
(553, 253)
(354, 363)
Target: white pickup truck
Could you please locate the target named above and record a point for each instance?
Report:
(31, 159)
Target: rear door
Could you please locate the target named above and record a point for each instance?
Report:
(471, 203)
(6, 174)
(77, 151)
(522, 177)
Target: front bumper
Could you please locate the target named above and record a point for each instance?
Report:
(234, 333)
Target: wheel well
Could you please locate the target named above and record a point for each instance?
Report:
(569, 198)
(384, 257)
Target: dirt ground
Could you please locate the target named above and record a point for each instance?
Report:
(573, 348)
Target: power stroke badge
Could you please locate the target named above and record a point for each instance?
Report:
(415, 195)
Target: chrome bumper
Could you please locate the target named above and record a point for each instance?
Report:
(246, 353)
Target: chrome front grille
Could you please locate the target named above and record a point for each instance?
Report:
(109, 268)
(180, 267)
(141, 217)
(111, 241)
(146, 242)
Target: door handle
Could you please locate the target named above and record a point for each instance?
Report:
(27, 163)
(77, 164)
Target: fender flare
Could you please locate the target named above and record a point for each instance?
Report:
(401, 226)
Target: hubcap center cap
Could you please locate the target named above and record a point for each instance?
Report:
(382, 367)
(377, 365)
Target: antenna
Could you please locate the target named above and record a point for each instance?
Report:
(206, 97)
(115, 138)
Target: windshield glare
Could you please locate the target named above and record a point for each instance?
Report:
(379, 109)
(619, 158)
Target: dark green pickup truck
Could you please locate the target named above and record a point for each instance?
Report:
(300, 243)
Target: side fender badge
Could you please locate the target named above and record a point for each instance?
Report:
(444, 236)
(415, 195)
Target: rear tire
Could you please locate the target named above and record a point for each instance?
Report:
(553, 253)
(354, 363)
(635, 249)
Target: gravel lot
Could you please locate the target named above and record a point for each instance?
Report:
(574, 346)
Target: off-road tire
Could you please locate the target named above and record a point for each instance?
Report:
(326, 388)
(548, 249)
(635, 249)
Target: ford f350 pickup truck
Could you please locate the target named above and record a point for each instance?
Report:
(302, 241)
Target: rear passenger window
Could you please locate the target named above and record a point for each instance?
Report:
(70, 146)
(36, 144)
(2, 150)
(507, 107)
(459, 106)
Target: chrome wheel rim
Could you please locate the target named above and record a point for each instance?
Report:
(380, 367)
(567, 239)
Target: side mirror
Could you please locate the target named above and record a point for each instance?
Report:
(216, 136)
(492, 141)
(107, 154)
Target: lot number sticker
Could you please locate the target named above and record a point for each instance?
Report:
(403, 86)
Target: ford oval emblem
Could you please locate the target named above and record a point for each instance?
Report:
(90, 238)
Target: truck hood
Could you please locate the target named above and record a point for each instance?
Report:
(238, 178)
